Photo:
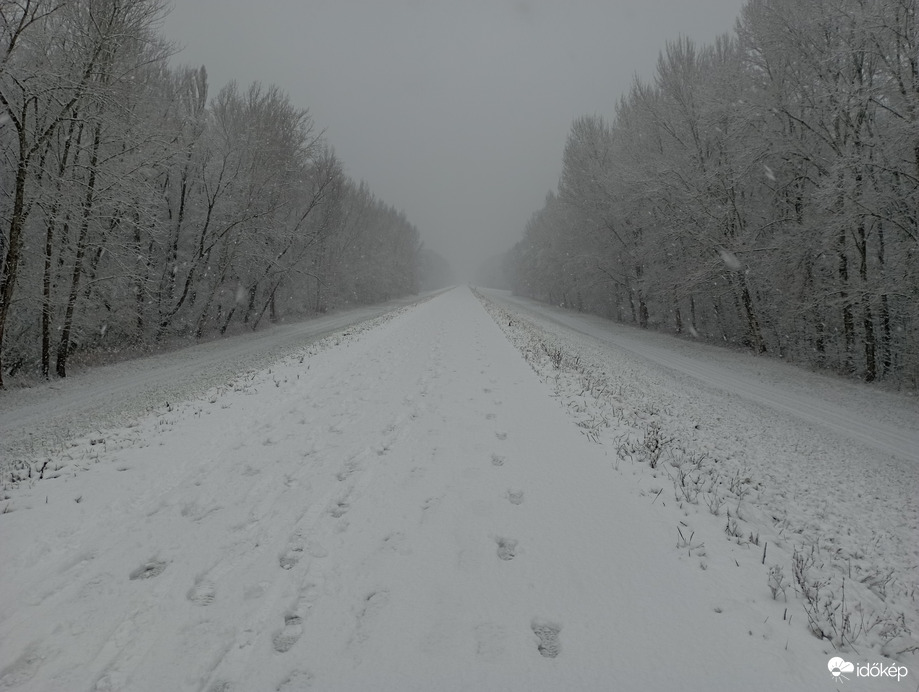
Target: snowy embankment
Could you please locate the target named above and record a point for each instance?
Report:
(818, 475)
(400, 507)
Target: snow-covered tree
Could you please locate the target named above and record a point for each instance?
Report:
(761, 191)
(155, 213)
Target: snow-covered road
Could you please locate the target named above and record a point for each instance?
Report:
(849, 409)
(409, 509)
(32, 421)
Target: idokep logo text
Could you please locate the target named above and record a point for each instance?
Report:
(843, 670)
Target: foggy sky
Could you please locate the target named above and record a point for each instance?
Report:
(455, 111)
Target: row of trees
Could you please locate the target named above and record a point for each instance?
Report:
(134, 208)
(763, 191)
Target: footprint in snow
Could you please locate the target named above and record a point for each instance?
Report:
(202, 593)
(428, 505)
(507, 548)
(547, 632)
(297, 681)
(395, 541)
(501, 435)
(339, 509)
(347, 471)
(148, 570)
(25, 667)
(291, 556)
(515, 497)
(497, 460)
(290, 635)
(373, 603)
(111, 681)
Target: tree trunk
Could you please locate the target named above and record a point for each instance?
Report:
(677, 316)
(64, 346)
(10, 266)
(642, 311)
(46, 302)
(848, 321)
(871, 371)
(885, 308)
(268, 304)
(226, 322)
(73, 134)
(692, 315)
(139, 282)
(754, 333)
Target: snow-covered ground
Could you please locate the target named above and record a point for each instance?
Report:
(406, 505)
(42, 419)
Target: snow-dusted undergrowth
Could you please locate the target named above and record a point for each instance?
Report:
(844, 559)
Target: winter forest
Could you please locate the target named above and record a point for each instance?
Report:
(137, 207)
(761, 192)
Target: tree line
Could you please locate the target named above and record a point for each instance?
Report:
(135, 207)
(760, 191)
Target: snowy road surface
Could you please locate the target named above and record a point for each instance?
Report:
(408, 510)
(30, 420)
(849, 413)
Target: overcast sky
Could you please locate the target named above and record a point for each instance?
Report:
(454, 111)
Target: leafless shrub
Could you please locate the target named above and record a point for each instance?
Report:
(714, 502)
(653, 443)
(731, 527)
(801, 563)
(776, 581)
